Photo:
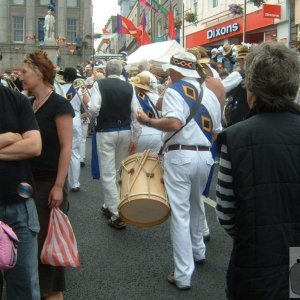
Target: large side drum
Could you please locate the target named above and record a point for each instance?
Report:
(143, 197)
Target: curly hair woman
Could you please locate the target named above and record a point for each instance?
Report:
(54, 116)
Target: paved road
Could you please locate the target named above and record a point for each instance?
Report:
(134, 263)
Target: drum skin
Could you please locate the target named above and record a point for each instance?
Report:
(143, 197)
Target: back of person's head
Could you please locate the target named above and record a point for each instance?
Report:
(114, 67)
(272, 75)
(42, 65)
(143, 65)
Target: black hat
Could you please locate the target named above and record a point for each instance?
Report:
(70, 72)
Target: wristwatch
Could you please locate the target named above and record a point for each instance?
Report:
(148, 123)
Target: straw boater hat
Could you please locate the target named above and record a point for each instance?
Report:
(227, 50)
(184, 63)
(202, 60)
(142, 81)
(243, 50)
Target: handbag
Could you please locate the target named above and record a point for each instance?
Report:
(60, 246)
(8, 247)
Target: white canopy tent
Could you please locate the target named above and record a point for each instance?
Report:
(156, 53)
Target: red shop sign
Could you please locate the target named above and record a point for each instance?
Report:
(272, 11)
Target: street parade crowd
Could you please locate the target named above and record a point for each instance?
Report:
(235, 108)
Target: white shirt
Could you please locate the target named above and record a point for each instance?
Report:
(232, 81)
(174, 106)
(94, 106)
(75, 102)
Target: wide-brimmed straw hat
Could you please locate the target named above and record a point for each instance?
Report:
(184, 63)
(202, 60)
(71, 72)
(227, 50)
(242, 50)
(142, 81)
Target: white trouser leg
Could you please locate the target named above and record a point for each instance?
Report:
(183, 172)
(203, 225)
(112, 148)
(84, 127)
(74, 167)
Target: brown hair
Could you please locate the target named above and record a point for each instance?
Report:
(41, 64)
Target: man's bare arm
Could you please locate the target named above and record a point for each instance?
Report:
(9, 138)
(29, 146)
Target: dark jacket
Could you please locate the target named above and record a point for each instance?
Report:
(265, 154)
(115, 111)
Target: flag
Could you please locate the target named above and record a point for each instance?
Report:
(143, 21)
(160, 7)
(171, 25)
(146, 4)
(125, 26)
(143, 37)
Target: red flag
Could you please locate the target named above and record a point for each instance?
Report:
(172, 30)
(125, 26)
(143, 37)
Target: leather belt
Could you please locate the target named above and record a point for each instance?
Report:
(187, 147)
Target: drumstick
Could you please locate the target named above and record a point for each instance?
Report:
(145, 155)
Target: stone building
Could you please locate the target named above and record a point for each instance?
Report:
(22, 31)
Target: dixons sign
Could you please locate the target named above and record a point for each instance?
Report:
(216, 32)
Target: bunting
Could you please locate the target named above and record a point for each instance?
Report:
(160, 7)
(147, 4)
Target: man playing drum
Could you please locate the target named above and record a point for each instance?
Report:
(187, 161)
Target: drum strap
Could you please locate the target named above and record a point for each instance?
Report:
(189, 118)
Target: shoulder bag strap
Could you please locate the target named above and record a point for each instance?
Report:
(189, 118)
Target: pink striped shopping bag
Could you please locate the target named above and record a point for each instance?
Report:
(60, 247)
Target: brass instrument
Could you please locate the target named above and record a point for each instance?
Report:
(10, 83)
(79, 85)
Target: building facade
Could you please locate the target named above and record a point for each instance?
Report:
(22, 31)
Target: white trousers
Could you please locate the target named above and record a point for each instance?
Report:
(84, 131)
(112, 148)
(185, 176)
(74, 167)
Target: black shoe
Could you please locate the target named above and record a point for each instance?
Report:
(106, 212)
(200, 262)
(172, 280)
(117, 223)
(75, 190)
(82, 164)
(206, 238)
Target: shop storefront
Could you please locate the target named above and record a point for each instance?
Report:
(258, 29)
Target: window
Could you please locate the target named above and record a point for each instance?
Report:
(72, 3)
(18, 2)
(215, 3)
(44, 2)
(18, 29)
(195, 6)
(71, 30)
